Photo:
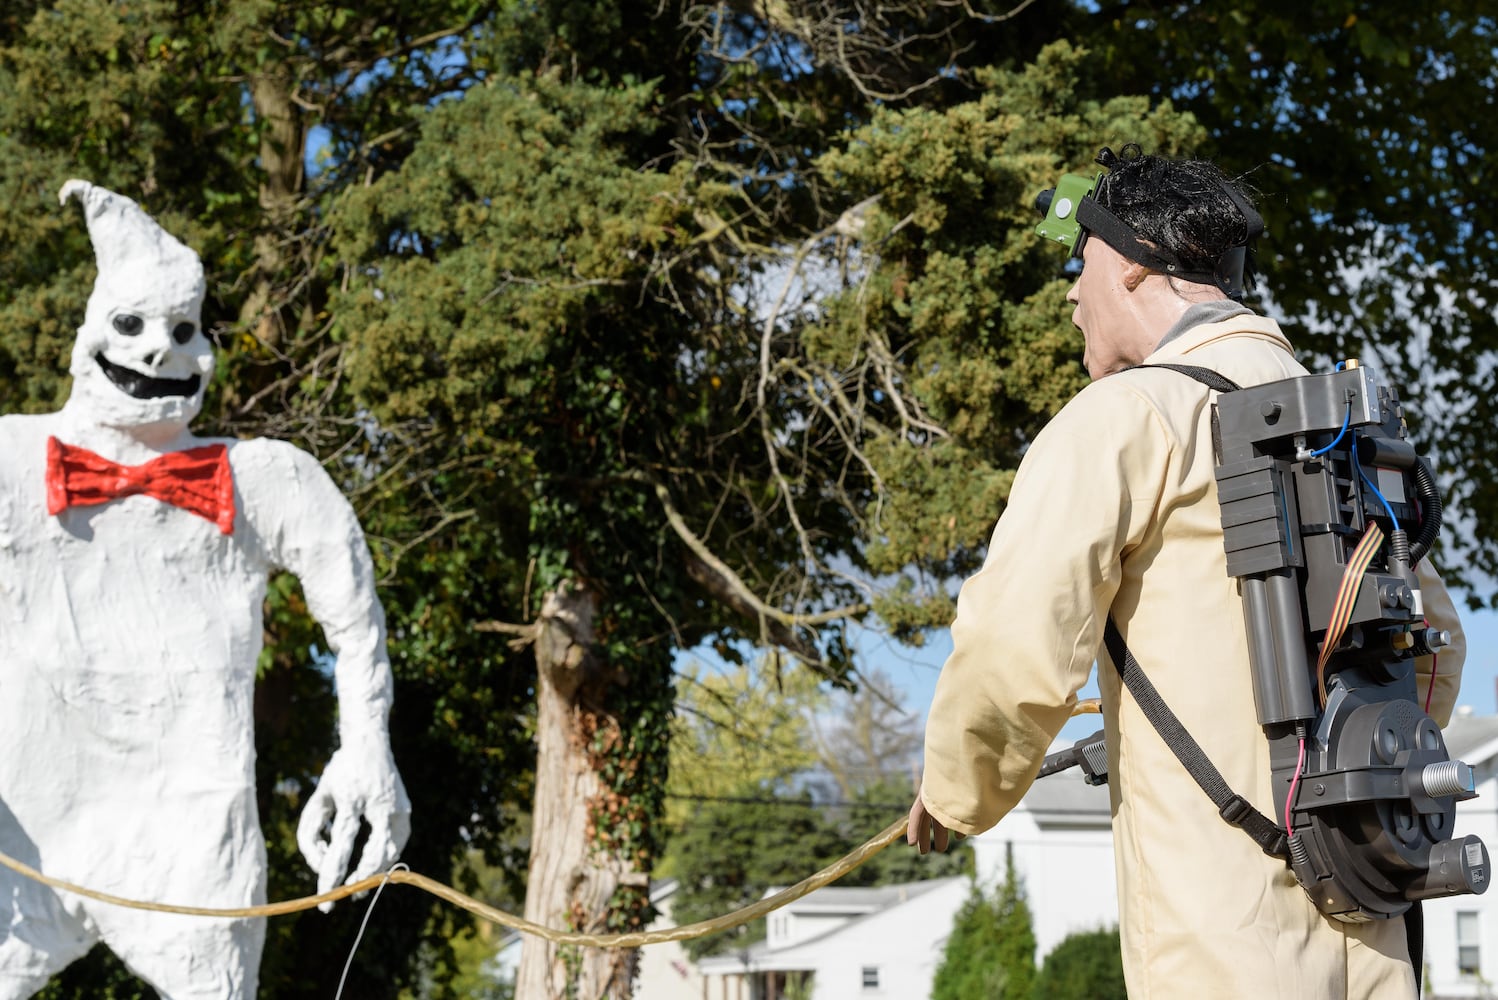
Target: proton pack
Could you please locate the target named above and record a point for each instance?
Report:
(1320, 495)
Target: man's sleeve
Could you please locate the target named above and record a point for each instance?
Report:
(1445, 668)
(1029, 624)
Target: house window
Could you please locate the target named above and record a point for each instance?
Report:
(871, 977)
(1468, 951)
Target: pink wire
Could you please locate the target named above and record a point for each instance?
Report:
(1294, 783)
(1435, 663)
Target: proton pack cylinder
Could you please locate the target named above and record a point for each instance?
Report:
(1455, 867)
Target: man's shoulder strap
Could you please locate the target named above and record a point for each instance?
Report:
(1206, 376)
(1230, 805)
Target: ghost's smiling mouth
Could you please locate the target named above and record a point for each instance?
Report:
(144, 386)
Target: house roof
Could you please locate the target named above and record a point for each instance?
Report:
(1065, 799)
(761, 956)
(852, 898)
(1472, 738)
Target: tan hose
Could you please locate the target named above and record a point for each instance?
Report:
(633, 939)
(831, 873)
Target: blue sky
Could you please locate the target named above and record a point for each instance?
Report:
(914, 672)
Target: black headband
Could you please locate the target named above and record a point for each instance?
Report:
(1227, 275)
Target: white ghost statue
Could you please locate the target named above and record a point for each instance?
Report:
(133, 565)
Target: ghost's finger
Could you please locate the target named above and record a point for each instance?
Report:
(309, 828)
(340, 849)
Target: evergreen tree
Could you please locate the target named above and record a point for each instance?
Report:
(990, 953)
(1087, 965)
(550, 324)
(970, 968)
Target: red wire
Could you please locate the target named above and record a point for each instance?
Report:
(1435, 664)
(1294, 783)
(1435, 659)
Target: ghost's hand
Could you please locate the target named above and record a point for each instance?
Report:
(360, 782)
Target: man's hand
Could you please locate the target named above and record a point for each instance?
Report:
(924, 831)
(360, 781)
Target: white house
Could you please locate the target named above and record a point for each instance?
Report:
(1461, 932)
(867, 943)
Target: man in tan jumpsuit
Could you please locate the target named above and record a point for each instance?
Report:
(1114, 511)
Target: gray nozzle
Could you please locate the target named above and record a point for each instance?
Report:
(1456, 867)
(1447, 777)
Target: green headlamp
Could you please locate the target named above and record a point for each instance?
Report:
(1060, 206)
(1073, 212)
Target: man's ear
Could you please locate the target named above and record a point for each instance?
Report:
(1134, 273)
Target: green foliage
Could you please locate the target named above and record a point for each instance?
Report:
(1087, 965)
(990, 953)
(883, 801)
(523, 295)
(737, 727)
(970, 969)
(743, 735)
(961, 290)
(98, 975)
(730, 853)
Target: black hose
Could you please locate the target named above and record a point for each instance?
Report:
(1430, 511)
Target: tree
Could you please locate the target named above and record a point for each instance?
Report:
(990, 953)
(731, 853)
(743, 814)
(583, 282)
(869, 741)
(632, 326)
(1087, 965)
(738, 727)
(550, 330)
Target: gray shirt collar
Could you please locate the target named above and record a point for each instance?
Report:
(1200, 313)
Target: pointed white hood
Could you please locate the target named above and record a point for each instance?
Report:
(141, 359)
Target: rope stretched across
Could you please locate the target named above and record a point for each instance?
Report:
(632, 939)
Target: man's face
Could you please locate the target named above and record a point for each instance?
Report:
(141, 359)
(1101, 313)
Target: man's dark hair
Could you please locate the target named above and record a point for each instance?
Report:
(1181, 206)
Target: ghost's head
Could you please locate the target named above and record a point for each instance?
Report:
(141, 359)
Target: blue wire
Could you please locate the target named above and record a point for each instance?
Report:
(1388, 509)
(1346, 419)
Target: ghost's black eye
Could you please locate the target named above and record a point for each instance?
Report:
(183, 332)
(128, 324)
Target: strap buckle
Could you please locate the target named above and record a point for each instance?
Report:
(1235, 809)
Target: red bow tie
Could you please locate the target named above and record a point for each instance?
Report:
(197, 480)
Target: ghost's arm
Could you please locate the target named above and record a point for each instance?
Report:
(317, 537)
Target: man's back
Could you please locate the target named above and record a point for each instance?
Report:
(1115, 512)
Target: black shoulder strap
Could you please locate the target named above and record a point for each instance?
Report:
(1206, 376)
(1233, 807)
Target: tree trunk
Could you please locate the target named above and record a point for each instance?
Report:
(572, 877)
(282, 146)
